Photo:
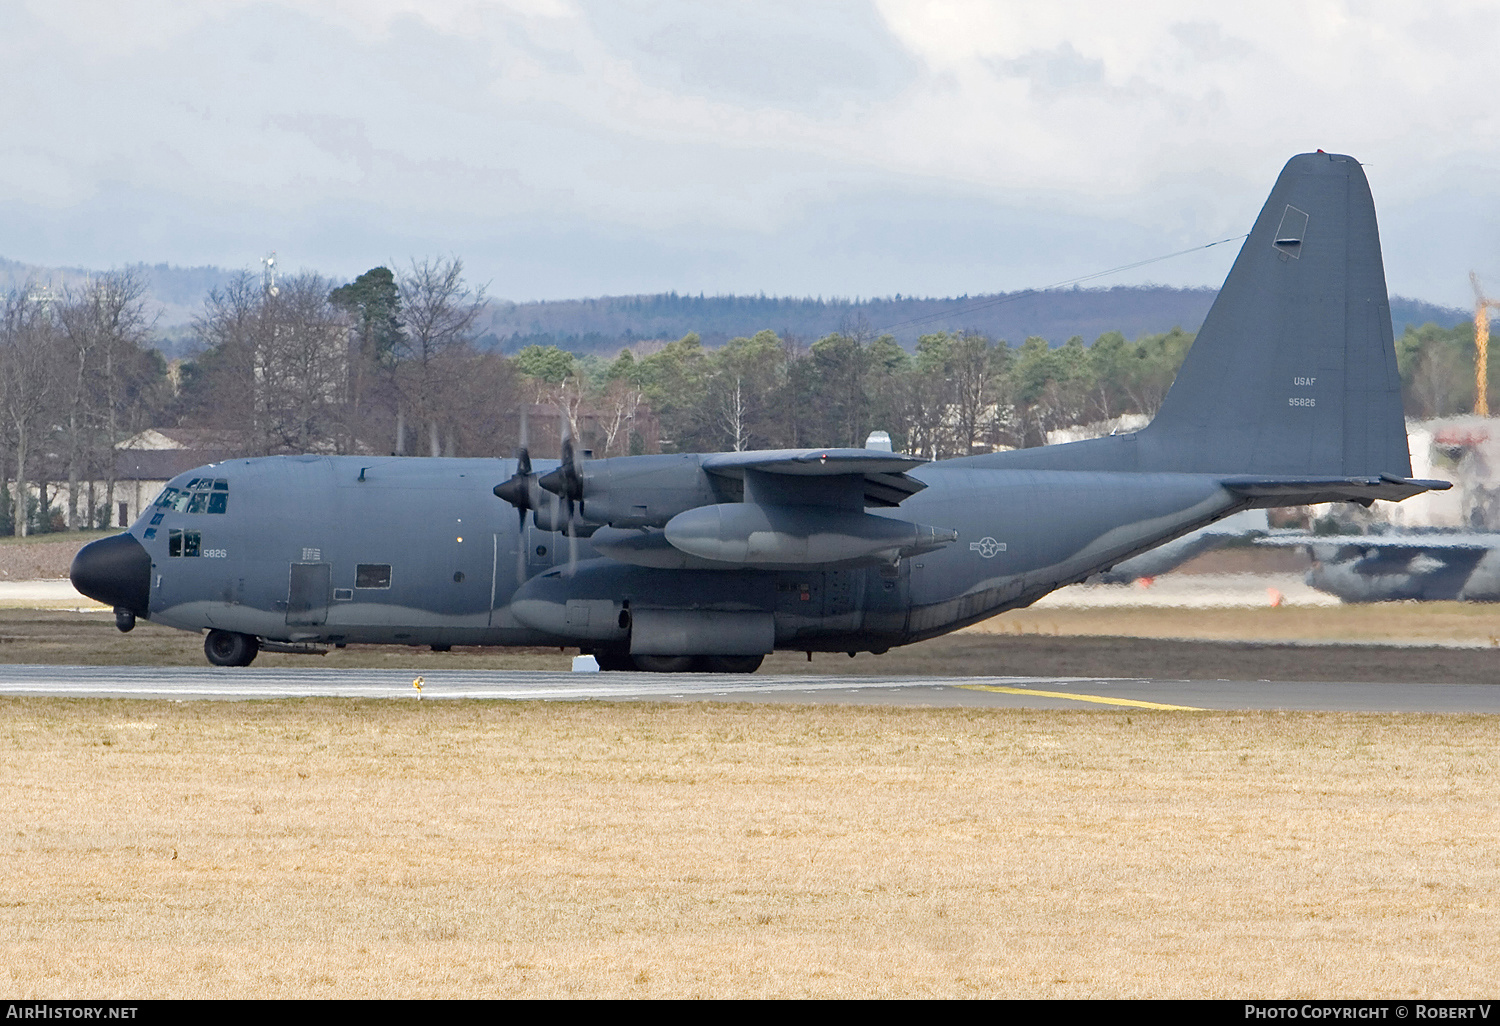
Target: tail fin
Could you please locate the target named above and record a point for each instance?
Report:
(1294, 371)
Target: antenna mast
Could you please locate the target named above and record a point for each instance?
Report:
(268, 274)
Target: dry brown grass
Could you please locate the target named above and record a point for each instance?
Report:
(1377, 623)
(331, 848)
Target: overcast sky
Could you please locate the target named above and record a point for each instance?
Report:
(567, 148)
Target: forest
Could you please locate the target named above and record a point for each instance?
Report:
(393, 362)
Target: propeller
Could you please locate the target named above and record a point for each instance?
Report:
(566, 483)
(521, 491)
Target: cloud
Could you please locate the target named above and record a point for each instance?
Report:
(721, 140)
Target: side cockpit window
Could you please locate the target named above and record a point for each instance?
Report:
(184, 543)
(200, 495)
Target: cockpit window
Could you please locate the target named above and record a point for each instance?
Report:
(200, 495)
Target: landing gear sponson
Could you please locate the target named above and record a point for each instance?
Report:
(226, 648)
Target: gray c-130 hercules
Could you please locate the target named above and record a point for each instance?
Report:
(1289, 395)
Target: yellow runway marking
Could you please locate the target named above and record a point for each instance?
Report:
(1099, 699)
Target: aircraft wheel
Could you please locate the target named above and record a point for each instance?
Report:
(226, 648)
(662, 664)
(732, 664)
(614, 660)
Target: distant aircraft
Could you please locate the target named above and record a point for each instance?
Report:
(1289, 395)
(1437, 566)
(1170, 556)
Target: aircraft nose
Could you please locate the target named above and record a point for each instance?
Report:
(116, 571)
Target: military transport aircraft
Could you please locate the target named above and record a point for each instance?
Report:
(663, 563)
(1427, 566)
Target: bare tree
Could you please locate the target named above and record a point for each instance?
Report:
(275, 365)
(220, 391)
(438, 314)
(301, 368)
(27, 365)
(105, 376)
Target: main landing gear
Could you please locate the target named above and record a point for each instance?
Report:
(226, 648)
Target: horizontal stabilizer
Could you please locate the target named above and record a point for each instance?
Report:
(1409, 544)
(1300, 491)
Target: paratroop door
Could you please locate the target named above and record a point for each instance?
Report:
(307, 597)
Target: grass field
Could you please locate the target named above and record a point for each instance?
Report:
(348, 849)
(468, 849)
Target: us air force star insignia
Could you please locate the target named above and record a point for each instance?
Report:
(987, 547)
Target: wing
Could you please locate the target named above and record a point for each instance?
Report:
(882, 474)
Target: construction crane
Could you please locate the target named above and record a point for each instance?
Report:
(1481, 346)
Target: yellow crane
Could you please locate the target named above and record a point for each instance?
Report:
(1481, 346)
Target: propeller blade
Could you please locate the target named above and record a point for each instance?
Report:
(520, 547)
(572, 542)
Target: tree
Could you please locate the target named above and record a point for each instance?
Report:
(438, 315)
(109, 382)
(372, 302)
(26, 377)
(838, 364)
(301, 368)
(274, 366)
(546, 363)
(744, 378)
(674, 378)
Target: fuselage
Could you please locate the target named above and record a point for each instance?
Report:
(349, 550)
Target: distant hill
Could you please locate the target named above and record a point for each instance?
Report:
(606, 324)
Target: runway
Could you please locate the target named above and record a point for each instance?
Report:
(1084, 693)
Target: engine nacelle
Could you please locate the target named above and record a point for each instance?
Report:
(646, 491)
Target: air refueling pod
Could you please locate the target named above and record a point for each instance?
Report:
(791, 537)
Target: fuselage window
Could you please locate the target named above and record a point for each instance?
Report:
(372, 575)
(184, 543)
(218, 502)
